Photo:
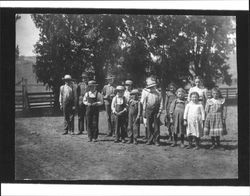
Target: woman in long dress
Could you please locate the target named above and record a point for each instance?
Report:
(202, 92)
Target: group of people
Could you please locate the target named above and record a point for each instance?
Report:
(126, 108)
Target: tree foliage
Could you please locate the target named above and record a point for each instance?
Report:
(17, 17)
(172, 47)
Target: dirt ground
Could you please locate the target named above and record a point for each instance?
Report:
(43, 153)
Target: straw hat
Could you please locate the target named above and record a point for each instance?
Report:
(151, 83)
(134, 92)
(120, 88)
(92, 83)
(85, 75)
(128, 82)
(67, 77)
(110, 77)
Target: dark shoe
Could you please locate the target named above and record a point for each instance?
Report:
(196, 148)
(95, 140)
(148, 143)
(189, 147)
(65, 133)
(212, 147)
(173, 145)
(129, 142)
(109, 135)
(79, 133)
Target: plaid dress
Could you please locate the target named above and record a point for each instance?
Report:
(215, 115)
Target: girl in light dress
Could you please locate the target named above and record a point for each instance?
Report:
(216, 115)
(194, 117)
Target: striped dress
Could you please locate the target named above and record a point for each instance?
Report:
(215, 115)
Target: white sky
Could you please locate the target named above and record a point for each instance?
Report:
(26, 35)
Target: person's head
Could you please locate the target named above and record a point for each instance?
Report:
(197, 81)
(120, 91)
(194, 97)
(110, 79)
(151, 84)
(134, 94)
(67, 79)
(128, 85)
(84, 77)
(172, 87)
(180, 93)
(216, 93)
(92, 85)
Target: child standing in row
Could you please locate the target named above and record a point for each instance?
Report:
(176, 116)
(119, 109)
(216, 115)
(194, 117)
(170, 97)
(92, 100)
(134, 113)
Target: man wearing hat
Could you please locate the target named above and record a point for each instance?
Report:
(82, 88)
(119, 109)
(67, 104)
(108, 93)
(93, 100)
(153, 105)
(128, 87)
(144, 94)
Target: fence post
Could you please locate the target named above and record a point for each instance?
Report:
(51, 100)
(25, 95)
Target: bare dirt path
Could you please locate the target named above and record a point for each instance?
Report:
(43, 153)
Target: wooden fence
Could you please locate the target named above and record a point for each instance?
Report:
(228, 93)
(25, 100)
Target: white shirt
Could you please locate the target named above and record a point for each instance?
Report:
(117, 100)
(93, 95)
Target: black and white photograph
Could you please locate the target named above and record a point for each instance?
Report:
(105, 96)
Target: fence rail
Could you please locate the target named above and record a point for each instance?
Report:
(25, 100)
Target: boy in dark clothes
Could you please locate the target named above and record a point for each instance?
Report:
(134, 113)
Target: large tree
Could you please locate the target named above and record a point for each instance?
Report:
(172, 47)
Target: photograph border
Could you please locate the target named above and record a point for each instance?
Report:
(8, 101)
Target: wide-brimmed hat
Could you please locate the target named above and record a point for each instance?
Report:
(92, 83)
(119, 88)
(151, 83)
(67, 77)
(134, 92)
(84, 75)
(110, 77)
(128, 82)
